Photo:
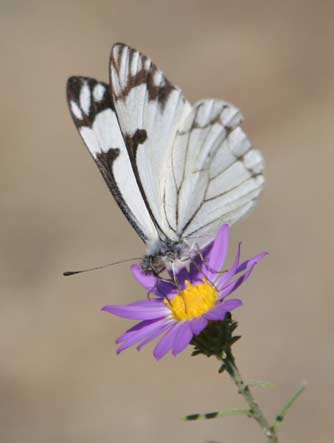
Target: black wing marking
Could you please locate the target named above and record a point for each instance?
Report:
(94, 115)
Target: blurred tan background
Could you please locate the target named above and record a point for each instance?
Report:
(60, 379)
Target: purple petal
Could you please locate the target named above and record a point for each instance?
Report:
(151, 283)
(196, 263)
(230, 305)
(234, 285)
(182, 276)
(253, 261)
(166, 343)
(219, 250)
(226, 277)
(182, 338)
(135, 329)
(198, 324)
(164, 288)
(153, 336)
(195, 269)
(142, 310)
(219, 311)
(148, 281)
(131, 338)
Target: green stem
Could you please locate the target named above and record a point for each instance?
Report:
(255, 411)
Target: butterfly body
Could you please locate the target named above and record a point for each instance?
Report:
(164, 255)
(177, 171)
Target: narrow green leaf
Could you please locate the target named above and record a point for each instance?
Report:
(216, 414)
(260, 383)
(282, 414)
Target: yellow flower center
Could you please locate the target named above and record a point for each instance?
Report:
(193, 301)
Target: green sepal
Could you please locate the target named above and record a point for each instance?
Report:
(222, 368)
(216, 339)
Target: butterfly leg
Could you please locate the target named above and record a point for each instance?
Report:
(149, 295)
(198, 253)
(159, 278)
(204, 261)
(175, 278)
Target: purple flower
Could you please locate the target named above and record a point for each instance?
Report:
(182, 310)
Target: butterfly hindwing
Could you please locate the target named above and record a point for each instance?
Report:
(94, 115)
(215, 175)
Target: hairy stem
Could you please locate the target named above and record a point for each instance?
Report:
(255, 411)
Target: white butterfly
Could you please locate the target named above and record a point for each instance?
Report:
(177, 171)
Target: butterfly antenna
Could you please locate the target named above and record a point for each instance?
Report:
(69, 273)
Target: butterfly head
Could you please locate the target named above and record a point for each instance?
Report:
(163, 256)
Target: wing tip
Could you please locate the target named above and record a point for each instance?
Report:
(117, 45)
(119, 48)
(73, 85)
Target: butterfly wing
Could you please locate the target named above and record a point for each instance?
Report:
(94, 115)
(177, 172)
(215, 175)
(149, 109)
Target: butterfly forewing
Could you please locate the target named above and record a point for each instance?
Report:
(93, 113)
(149, 109)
